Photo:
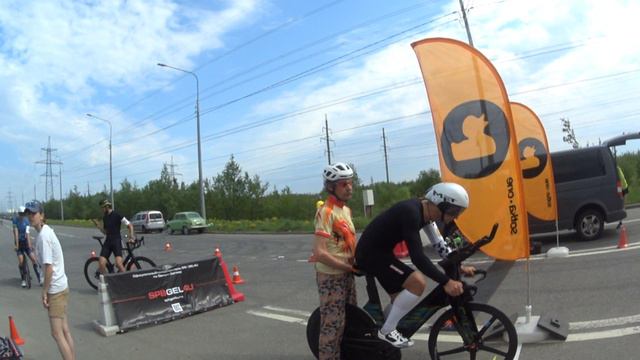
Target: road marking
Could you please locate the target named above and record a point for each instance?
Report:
(580, 325)
(594, 324)
(285, 318)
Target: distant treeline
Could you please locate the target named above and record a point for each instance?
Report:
(231, 195)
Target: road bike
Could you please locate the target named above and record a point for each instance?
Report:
(92, 265)
(465, 330)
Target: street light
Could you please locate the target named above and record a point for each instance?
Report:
(203, 211)
(113, 205)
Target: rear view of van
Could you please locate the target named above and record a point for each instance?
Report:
(587, 192)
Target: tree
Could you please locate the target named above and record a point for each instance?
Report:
(570, 137)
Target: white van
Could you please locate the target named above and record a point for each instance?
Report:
(148, 221)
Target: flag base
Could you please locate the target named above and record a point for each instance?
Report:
(558, 252)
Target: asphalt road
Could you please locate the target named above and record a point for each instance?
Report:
(595, 290)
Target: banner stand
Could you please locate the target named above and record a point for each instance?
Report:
(107, 324)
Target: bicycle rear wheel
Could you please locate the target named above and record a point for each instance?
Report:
(360, 340)
(483, 331)
(92, 272)
(140, 262)
(27, 272)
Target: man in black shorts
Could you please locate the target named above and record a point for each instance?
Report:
(403, 221)
(111, 222)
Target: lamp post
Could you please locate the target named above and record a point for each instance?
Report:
(203, 210)
(113, 205)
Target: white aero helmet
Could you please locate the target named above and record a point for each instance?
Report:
(21, 210)
(337, 171)
(450, 198)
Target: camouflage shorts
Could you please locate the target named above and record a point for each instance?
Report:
(335, 291)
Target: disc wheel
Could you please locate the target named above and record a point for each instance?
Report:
(486, 334)
(140, 262)
(359, 340)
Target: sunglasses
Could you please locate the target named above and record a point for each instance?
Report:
(454, 211)
(345, 183)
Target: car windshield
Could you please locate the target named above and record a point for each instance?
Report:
(193, 216)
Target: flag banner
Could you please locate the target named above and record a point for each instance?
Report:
(476, 141)
(154, 296)
(535, 161)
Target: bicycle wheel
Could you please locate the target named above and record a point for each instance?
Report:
(27, 272)
(140, 262)
(482, 330)
(360, 340)
(92, 272)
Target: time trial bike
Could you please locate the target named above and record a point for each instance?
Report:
(131, 261)
(466, 330)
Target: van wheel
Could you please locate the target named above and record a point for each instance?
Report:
(590, 224)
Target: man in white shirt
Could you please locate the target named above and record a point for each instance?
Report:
(55, 291)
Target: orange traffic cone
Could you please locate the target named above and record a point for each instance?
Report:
(168, 247)
(236, 279)
(15, 336)
(624, 242)
(217, 253)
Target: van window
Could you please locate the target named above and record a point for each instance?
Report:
(577, 166)
(155, 216)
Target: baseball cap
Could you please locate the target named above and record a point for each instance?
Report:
(33, 206)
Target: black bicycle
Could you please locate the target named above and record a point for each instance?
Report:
(466, 330)
(92, 265)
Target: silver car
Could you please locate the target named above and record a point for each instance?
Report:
(148, 221)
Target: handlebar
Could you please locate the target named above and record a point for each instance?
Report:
(456, 257)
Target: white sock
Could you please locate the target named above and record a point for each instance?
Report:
(404, 302)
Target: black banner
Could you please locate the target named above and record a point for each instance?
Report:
(150, 296)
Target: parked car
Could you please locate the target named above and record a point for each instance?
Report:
(148, 221)
(187, 221)
(587, 188)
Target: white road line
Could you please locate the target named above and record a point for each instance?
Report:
(289, 311)
(606, 334)
(285, 318)
(594, 324)
(580, 325)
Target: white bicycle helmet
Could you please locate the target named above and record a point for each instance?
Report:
(450, 198)
(21, 210)
(337, 171)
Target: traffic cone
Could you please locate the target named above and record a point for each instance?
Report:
(15, 336)
(168, 247)
(624, 242)
(217, 253)
(236, 279)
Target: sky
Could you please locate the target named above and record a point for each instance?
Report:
(270, 73)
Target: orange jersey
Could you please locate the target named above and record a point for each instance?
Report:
(333, 222)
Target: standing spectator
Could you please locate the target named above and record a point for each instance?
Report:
(333, 251)
(624, 187)
(23, 245)
(55, 291)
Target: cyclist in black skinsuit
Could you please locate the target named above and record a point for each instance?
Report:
(403, 221)
(111, 222)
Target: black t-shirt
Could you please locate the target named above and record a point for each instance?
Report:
(402, 221)
(112, 223)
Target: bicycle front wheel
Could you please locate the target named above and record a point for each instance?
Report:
(486, 333)
(140, 262)
(92, 272)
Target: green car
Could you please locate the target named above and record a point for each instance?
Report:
(187, 221)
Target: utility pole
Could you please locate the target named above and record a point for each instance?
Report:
(172, 172)
(61, 205)
(466, 23)
(48, 162)
(386, 159)
(326, 136)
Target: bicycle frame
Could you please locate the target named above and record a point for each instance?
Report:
(128, 249)
(434, 301)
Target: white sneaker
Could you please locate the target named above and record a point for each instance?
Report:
(23, 284)
(41, 280)
(396, 339)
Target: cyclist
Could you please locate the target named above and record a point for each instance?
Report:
(403, 221)
(111, 222)
(333, 252)
(23, 244)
